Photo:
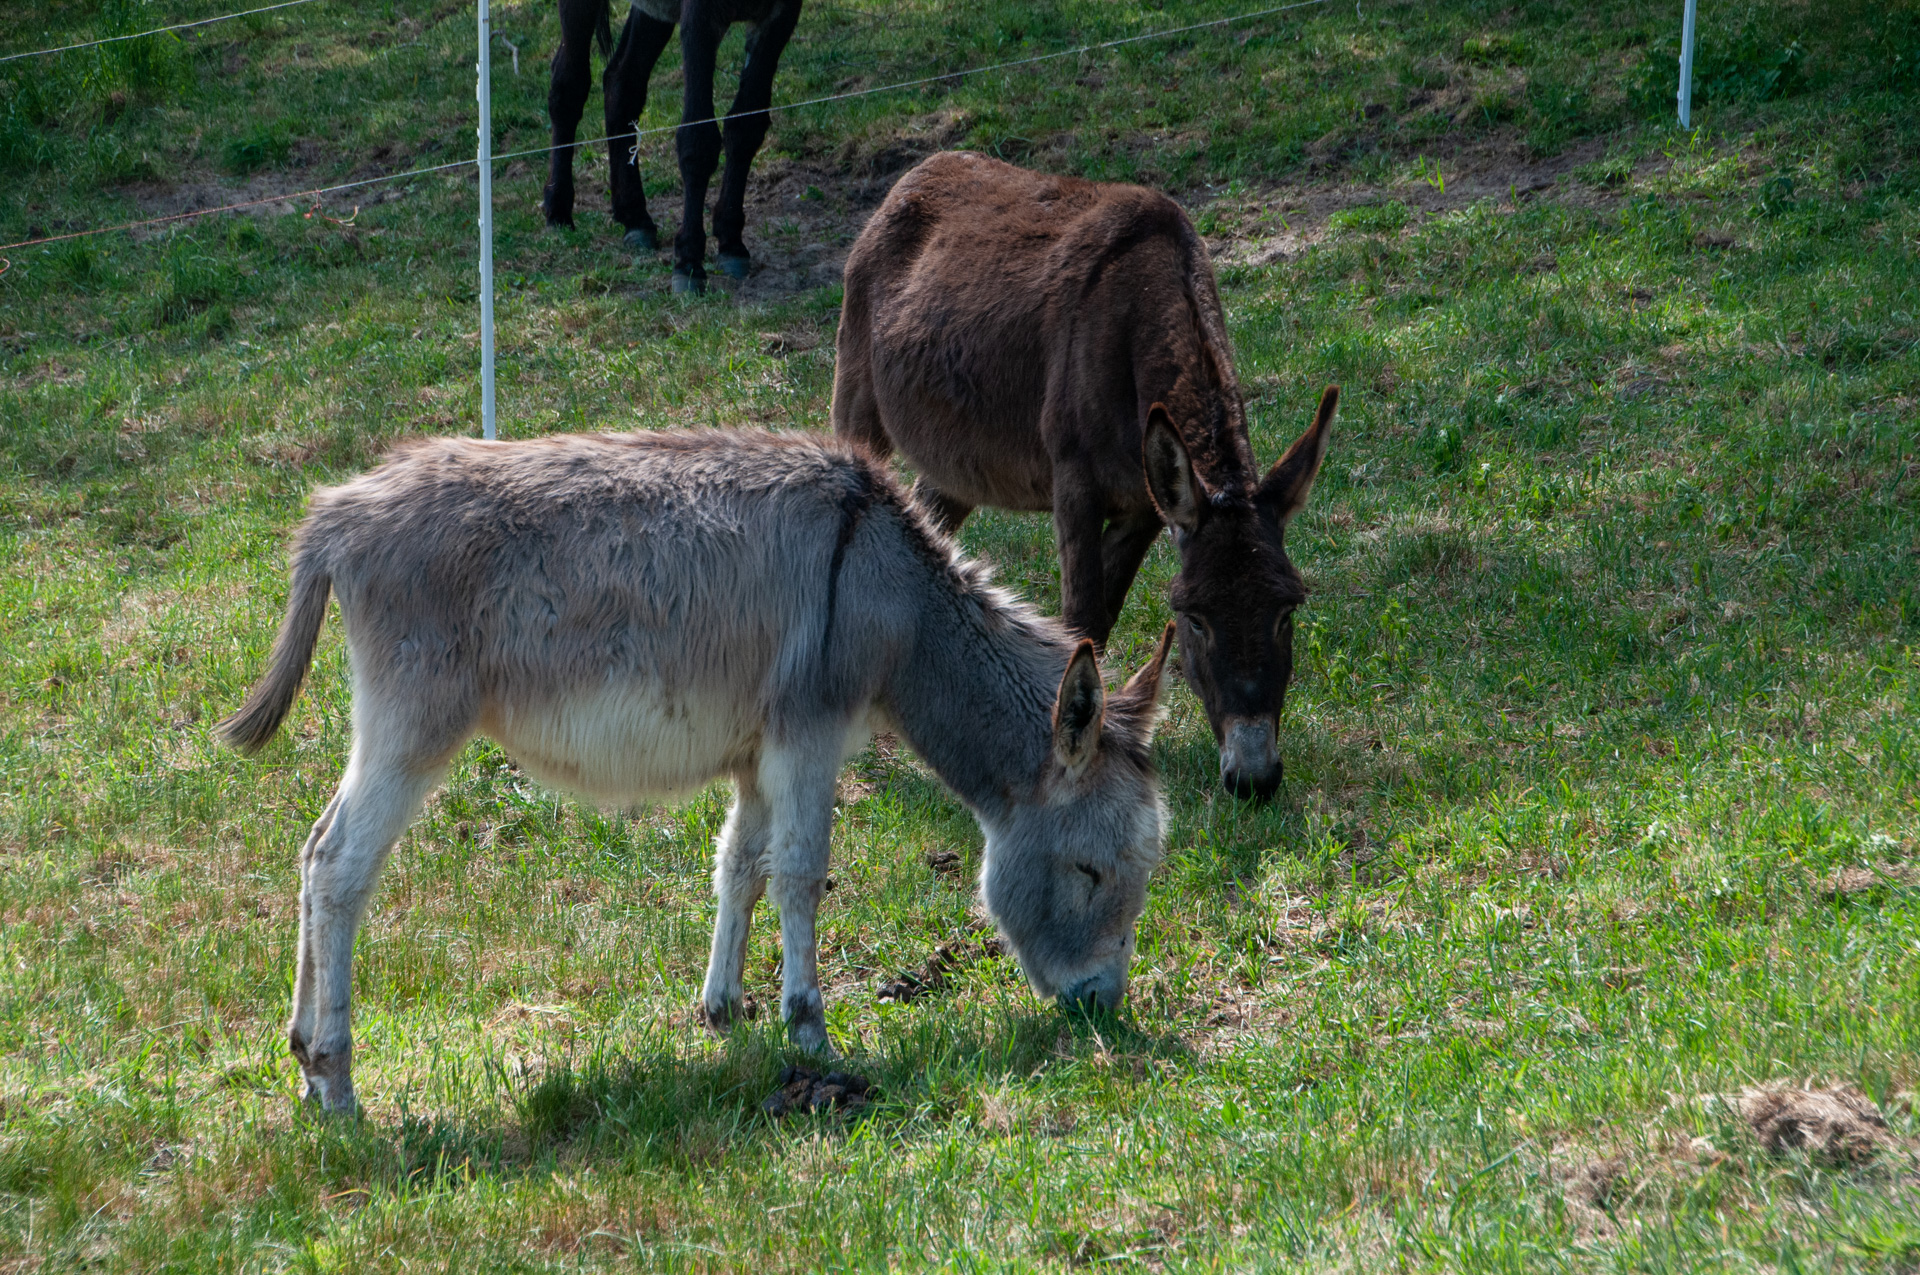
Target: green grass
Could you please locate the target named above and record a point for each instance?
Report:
(1613, 664)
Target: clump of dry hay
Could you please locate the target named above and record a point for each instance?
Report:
(1837, 1123)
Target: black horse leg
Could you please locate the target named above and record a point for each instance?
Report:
(746, 129)
(697, 142)
(566, 100)
(628, 71)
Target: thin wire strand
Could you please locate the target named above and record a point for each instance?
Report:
(178, 26)
(949, 75)
(288, 198)
(669, 128)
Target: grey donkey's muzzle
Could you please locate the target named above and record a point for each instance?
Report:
(1104, 991)
(1249, 757)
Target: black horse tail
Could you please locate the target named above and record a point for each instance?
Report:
(602, 27)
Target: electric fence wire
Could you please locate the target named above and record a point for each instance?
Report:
(141, 35)
(637, 134)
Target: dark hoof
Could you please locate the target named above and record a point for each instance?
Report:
(734, 267)
(686, 285)
(640, 239)
(720, 1021)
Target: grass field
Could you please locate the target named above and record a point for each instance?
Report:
(1603, 795)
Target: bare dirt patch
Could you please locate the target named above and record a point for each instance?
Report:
(803, 215)
(1852, 882)
(1837, 1123)
(1278, 221)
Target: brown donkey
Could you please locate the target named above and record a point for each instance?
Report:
(632, 615)
(1035, 342)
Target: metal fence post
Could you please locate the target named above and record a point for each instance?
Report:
(484, 91)
(1686, 66)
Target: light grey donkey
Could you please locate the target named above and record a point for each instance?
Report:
(635, 614)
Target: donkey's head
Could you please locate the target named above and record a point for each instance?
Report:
(1237, 590)
(1066, 869)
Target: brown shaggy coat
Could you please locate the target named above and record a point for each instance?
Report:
(1023, 340)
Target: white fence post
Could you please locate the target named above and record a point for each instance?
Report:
(484, 91)
(1686, 65)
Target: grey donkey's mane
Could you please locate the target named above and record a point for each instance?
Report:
(1029, 668)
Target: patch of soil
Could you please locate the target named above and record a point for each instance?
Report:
(1838, 1123)
(931, 977)
(259, 193)
(1846, 883)
(1599, 1183)
(804, 1092)
(1277, 222)
(803, 214)
(802, 218)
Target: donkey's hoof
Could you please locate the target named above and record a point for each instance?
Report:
(686, 285)
(811, 1036)
(734, 267)
(641, 239)
(332, 1096)
(721, 1020)
(807, 1024)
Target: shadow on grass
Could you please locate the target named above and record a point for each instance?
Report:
(656, 1106)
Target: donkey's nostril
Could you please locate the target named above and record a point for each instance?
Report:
(1096, 993)
(1250, 786)
(1249, 759)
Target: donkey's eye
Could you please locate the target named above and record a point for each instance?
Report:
(1088, 868)
(1282, 623)
(1198, 623)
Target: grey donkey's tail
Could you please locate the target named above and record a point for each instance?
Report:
(272, 699)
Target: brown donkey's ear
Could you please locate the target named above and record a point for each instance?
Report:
(1284, 491)
(1137, 704)
(1078, 708)
(1170, 481)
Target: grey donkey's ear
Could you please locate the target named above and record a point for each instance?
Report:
(1170, 481)
(1137, 704)
(1078, 708)
(1284, 491)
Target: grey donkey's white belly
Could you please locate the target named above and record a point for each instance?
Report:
(629, 740)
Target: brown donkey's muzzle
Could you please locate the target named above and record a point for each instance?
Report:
(1249, 757)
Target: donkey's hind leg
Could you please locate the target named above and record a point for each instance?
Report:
(739, 879)
(338, 868)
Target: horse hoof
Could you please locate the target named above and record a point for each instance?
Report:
(685, 285)
(640, 239)
(734, 267)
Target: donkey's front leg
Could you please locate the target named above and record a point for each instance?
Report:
(1078, 517)
(799, 781)
(739, 879)
(338, 867)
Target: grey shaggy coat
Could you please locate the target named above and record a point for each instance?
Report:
(633, 615)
